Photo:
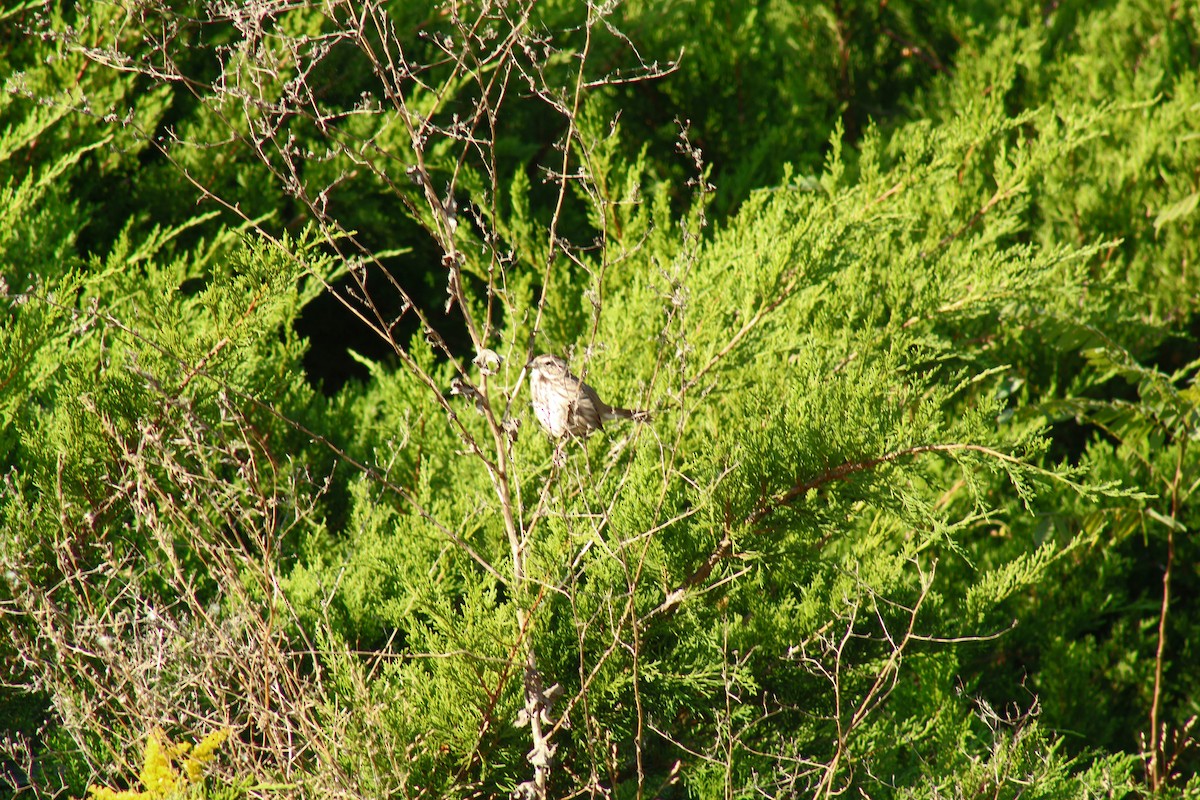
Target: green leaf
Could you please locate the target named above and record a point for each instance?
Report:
(1176, 211)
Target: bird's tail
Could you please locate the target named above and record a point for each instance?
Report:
(635, 414)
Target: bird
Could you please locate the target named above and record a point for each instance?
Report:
(566, 406)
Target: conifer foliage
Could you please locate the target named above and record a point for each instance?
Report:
(910, 299)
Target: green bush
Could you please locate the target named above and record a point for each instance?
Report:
(909, 299)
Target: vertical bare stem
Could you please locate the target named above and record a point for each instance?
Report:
(1156, 772)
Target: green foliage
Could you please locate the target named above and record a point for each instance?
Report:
(909, 517)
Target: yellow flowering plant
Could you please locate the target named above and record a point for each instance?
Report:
(168, 769)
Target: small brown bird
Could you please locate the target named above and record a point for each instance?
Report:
(565, 405)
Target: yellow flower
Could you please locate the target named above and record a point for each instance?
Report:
(105, 793)
(194, 765)
(160, 779)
